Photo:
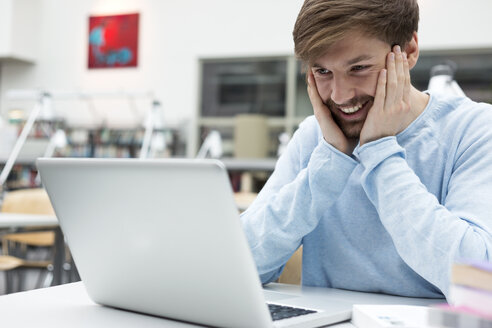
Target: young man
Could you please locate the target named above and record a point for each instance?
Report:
(385, 186)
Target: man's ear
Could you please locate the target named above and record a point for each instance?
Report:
(412, 50)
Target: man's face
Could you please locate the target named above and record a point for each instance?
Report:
(346, 77)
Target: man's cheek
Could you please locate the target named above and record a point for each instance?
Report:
(373, 83)
(323, 90)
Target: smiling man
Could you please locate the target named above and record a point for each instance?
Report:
(385, 186)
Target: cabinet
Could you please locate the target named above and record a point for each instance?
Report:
(19, 23)
(271, 86)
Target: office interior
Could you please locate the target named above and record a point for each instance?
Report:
(213, 79)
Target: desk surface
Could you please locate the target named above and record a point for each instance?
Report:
(69, 306)
(23, 220)
(249, 164)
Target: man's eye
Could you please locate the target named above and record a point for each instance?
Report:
(322, 71)
(358, 68)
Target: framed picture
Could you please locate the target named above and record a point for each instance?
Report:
(113, 41)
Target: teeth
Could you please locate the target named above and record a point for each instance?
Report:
(350, 110)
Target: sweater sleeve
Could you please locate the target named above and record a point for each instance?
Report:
(429, 235)
(290, 205)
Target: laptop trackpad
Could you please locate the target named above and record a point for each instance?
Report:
(271, 296)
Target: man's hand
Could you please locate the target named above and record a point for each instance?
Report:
(391, 111)
(331, 131)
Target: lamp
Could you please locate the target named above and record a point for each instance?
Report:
(154, 140)
(43, 107)
(211, 145)
(442, 79)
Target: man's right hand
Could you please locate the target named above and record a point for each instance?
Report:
(331, 131)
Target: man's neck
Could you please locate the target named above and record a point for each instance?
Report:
(418, 102)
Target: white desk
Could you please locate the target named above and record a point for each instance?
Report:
(249, 164)
(69, 306)
(8, 220)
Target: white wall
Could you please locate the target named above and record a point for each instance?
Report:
(175, 33)
(455, 24)
(6, 25)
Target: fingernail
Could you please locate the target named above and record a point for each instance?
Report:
(397, 49)
(392, 56)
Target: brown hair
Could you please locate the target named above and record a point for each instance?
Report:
(321, 23)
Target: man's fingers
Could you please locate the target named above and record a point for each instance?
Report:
(400, 74)
(319, 108)
(406, 85)
(313, 92)
(391, 81)
(380, 97)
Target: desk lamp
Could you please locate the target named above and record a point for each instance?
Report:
(154, 140)
(442, 79)
(211, 145)
(43, 109)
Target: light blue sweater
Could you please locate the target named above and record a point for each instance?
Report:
(392, 218)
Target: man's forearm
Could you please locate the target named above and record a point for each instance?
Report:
(423, 230)
(285, 212)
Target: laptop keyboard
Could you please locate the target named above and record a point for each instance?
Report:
(279, 312)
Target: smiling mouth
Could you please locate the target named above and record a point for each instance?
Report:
(352, 109)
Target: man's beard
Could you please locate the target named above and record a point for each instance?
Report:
(351, 129)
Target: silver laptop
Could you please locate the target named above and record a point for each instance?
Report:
(163, 237)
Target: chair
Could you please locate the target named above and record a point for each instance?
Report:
(244, 199)
(292, 270)
(15, 245)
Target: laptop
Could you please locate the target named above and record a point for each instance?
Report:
(163, 237)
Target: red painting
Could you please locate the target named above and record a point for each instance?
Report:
(113, 41)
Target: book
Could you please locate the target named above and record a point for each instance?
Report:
(449, 316)
(477, 274)
(388, 316)
(475, 298)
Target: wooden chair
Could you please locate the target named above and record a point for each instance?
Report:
(9, 262)
(244, 199)
(15, 245)
(292, 270)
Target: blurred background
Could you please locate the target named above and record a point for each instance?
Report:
(169, 78)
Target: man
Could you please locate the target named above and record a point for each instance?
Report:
(386, 186)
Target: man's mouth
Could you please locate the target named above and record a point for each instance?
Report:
(351, 109)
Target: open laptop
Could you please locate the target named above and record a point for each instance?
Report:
(163, 237)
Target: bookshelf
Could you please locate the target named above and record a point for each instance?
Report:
(100, 142)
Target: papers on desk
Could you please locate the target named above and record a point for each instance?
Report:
(385, 316)
(411, 316)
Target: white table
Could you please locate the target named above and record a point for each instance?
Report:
(249, 164)
(8, 220)
(70, 306)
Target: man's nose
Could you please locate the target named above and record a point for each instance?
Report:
(342, 90)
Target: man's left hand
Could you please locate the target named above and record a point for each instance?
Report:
(390, 112)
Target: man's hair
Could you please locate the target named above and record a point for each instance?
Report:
(321, 23)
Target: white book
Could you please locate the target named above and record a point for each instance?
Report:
(386, 316)
(477, 299)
